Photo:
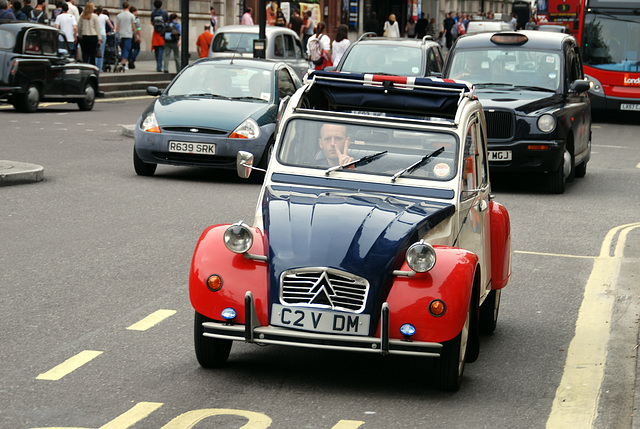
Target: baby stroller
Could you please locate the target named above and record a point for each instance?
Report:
(112, 58)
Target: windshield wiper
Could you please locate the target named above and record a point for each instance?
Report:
(413, 167)
(205, 94)
(357, 163)
(535, 88)
(493, 85)
(248, 98)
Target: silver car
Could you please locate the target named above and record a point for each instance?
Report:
(283, 45)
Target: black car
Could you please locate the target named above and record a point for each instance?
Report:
(391, 56)
(34, 66)
(534, 95)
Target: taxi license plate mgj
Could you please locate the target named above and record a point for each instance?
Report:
(191, 147)
(499, 155)
(317, 320)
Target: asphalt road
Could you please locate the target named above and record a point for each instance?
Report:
(96, 324)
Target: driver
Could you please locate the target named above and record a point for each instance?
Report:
(334, 144)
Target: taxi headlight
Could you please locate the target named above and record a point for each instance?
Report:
(249, 129)
(238, 238)
(546, 123)
(421, 257)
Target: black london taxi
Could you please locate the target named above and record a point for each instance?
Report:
(35, 66)
(532, 88)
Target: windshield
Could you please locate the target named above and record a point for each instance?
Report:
(381, 59)
(507, 67)
(324, 144)
(234, 42)
(611, 42)
(211, 79)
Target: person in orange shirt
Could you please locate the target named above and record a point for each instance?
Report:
(204, 41)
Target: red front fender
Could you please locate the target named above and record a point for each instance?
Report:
(500, 245)
(450, 280)
(238, 275)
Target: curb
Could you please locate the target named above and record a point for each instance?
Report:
(14, 173)
(128, 130)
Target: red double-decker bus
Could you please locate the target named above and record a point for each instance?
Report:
(609, 37)
(561, 12)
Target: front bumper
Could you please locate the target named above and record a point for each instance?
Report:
(252, 332)
(6, 91)
(526, 160)
(154, 148)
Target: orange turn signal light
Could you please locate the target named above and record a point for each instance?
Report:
(237, 136)
(153, 130)
(538, 147)
(214, 282)
(437, 308)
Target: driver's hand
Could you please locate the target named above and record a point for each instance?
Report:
(343, 158)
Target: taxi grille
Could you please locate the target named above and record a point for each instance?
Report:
(190, 130)
(324, 288)
(500, 124)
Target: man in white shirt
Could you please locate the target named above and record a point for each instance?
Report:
(69, 26)
(126, 27)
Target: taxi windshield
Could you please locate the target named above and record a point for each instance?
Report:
(511, 66)
(223, 81)
(612, 43)
(386, 150)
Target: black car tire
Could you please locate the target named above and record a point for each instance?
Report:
(581, 170)
(143, 168)
(449, 367)
(89, 99)
(28, 102)
(210, 352)
(489, 312)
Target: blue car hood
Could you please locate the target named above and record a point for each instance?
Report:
(364, 234)
(522, 101)
(214, 113)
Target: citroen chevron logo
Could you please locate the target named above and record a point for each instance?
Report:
(322, 291)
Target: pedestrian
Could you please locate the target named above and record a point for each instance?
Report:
(213, 20)
(531, 25)
(17, 11)
(410, 28)
(57, 10)
(448, 24)
(73, 10)
(88, 33)
(372, 25)
(204, 41)
(125, 28)
(137, 37)
(159, 19)
(308, 29)
(69, 26)
(296, 23)
(340, 44)
(281, 20)
(172, 34)
(5, 12)
(26, 10)
(431, 28)
(513, 22)
(325, 45)
(391, 28)
(421, 26)
(247, 19)
(39, 14)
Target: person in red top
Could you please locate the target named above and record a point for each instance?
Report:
(204, 41)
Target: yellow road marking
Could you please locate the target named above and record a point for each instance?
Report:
(348, 424)
(191, 418)
(69, 365)
(554, 254)
(151, 320)
(577, 396)
(126, 419)
(638, 166)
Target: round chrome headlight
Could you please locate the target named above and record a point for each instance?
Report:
(238, 238)
(546, 123)
(421, 257)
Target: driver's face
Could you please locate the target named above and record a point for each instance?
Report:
(333, 141)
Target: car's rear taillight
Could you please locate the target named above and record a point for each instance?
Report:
(14, 68)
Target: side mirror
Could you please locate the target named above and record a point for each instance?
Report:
(244, 164)
(153, 91)
(579, 85)
(329, 68)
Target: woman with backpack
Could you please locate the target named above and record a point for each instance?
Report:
(319, 48)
